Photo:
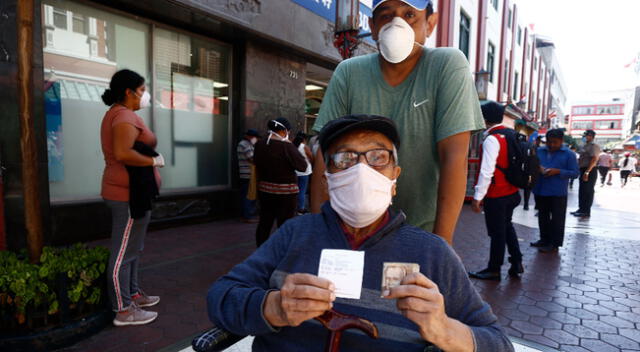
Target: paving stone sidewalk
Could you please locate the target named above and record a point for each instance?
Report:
(584, 298)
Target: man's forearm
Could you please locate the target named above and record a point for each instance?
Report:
(452, 185)
(318, 190)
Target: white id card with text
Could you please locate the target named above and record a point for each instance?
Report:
(345, 269)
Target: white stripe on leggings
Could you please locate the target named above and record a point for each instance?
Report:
(116, 267)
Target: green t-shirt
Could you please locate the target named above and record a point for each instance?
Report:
(436, 101)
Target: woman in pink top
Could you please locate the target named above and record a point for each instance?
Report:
(121, 128)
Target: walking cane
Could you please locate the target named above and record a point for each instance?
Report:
(337, 322)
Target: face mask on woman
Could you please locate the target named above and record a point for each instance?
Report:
(359, 194)
(145, 99)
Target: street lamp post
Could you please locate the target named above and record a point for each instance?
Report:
(347, 27)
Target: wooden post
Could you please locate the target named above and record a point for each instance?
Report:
(33, 216)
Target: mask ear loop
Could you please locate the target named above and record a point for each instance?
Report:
(271, 133)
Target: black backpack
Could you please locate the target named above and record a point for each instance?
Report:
(524, 166)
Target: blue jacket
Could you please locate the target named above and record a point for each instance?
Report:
(556, 186)
(235, 301)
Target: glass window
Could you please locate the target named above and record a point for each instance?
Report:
(78, 24)
(515, 87)
(509, 18)
(505, 78)
(465, 30)
(191, 109)
(495, 4)
(607, 125)
(75, 80)
(59, 18)
(582, 125)
(491, 54)
(519, 35)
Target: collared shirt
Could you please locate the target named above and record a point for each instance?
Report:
(245, 153)
(490, 151)
(556, 186)
(587, 152)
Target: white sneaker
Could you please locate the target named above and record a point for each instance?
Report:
(133, 315)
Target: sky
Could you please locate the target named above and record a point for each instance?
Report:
(594, 40)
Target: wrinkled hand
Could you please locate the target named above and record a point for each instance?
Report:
(158, 161)
(476, 206)
(552, 172)
(302, 297)
(420, 301)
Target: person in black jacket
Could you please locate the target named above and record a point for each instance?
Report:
(276, 160)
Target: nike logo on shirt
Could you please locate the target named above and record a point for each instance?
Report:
(415, 105)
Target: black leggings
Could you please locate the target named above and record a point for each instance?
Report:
(624, 175)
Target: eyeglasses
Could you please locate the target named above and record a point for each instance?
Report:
(374, 157)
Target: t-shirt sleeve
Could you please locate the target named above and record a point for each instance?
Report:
(127, 116)
(334, 104)
(457, 105)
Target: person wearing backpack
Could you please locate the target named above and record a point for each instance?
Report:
(498, 195)
(558, 165)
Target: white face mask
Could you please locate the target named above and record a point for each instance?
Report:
(145, 100)
(359, 194)
(253, 140)
(396, 40)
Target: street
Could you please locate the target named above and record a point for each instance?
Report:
(584, 298)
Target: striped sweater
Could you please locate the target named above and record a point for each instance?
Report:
(235, 300)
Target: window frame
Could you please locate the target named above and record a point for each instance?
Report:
(151, 84)
(467, 29)
(491, 58)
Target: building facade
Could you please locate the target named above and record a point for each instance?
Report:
(213, 68)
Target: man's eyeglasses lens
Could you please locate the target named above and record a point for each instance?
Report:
(375, 158)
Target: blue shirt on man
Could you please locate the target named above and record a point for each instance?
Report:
(564, 160)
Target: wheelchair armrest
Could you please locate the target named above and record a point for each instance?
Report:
(214, 340)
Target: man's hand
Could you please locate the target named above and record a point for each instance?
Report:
(585, 177)
(476, 206)
(302, 297)
(420, 301)
(551, 172)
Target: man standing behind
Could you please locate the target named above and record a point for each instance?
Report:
(589, 153)
(558, 165)
(430, 95)
(605, 162)
(245, 159)
(499, 196)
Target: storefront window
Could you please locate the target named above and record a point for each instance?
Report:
(191, 109)
(83, 48)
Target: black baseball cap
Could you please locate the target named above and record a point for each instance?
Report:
(338, 127)
(589, 133)
(252, 132)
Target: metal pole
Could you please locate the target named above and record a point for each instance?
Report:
(32, 214)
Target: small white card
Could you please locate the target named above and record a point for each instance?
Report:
(345, 269)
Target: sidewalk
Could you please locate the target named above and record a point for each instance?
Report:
(584, 298)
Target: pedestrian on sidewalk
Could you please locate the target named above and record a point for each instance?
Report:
(303, 177)
(627, 167)
(429, 93)
(589, 153)
(527, 191)
(498, 196)
(245, 161)
(605, 162)
(121, 133)
(557, 165)
(276, 160)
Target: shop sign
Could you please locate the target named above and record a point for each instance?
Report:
(327, 10)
